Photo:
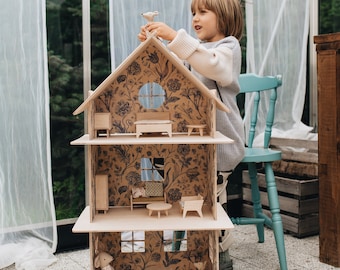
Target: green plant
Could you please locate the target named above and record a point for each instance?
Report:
(329, 11)
(65, 61)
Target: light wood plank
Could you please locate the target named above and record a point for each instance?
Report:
(130, 139)
(122, 219)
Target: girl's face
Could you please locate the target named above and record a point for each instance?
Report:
(204, 22)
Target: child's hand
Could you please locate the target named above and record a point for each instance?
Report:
(142, 34)
(161, 30)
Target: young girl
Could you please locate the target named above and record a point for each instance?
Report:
(216, 60)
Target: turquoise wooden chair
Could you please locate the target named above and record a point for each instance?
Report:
(251, 83)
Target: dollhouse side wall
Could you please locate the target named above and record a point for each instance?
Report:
(91, 179)
(211, 111)
(212, 158)
(90, 120)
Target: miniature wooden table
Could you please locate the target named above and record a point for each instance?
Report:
(199, 127)
(159, 206)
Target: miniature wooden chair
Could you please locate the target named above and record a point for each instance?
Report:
(251, 83)
(191, 203)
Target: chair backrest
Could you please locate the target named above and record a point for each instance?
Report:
(252, 83)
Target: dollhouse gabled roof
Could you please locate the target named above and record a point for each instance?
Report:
(151, 41)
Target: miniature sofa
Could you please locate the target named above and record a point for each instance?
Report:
(153, 122)
(191, 203)
(152, 192)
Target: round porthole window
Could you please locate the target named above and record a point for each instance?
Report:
(151, 95)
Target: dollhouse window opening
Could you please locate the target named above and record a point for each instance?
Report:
(152, 169)
(151, 95)
(174, 241)
(132, 241)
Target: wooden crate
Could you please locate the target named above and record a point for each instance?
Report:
(299, 157)
(299, 203)
(297, 184)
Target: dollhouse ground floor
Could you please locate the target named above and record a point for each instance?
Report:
(137, 240)
(246, 253)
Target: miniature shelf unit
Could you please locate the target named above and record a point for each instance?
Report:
(102, 122)
(126, 158)
(101, 193)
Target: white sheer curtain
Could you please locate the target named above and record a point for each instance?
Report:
(277, 35)
(126, 20)
(27, 217)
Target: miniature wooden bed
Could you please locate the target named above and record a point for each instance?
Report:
(191, 203)
(153, 122)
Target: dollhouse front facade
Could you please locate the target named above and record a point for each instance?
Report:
(139, 150)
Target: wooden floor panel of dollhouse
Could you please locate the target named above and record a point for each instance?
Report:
(123, 219)
(130, 139)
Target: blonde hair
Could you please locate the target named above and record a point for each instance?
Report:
(228, 12)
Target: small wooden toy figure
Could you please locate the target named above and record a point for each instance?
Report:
(149, 16)
(200, 265)
(102, 259)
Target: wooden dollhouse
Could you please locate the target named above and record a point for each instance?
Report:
(139, 150)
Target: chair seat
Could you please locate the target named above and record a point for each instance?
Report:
(261, 155)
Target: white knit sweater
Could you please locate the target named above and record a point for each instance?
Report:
(217, 65)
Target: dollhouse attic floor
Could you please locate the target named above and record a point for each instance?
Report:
(246, 253)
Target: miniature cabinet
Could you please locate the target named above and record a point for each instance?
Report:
(182, 166)
(102, 193)
(102, 121)
(147, 195)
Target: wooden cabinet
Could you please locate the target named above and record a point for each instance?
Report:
(328, 66)
(102, 193)
(103, 122)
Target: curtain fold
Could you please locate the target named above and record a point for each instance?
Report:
(277, 36)
(28, 235)
(126, 20)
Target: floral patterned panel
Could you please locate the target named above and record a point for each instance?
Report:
(186, 169)
(154, 257)
(183, 100)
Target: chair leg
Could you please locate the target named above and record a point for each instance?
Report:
(276, 217)
(256, 198)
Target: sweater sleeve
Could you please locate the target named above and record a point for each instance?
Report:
(214, 63)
